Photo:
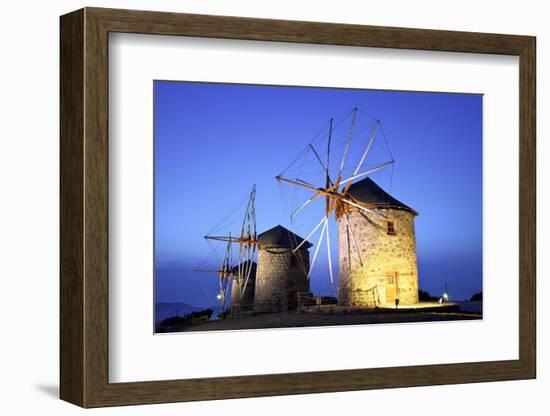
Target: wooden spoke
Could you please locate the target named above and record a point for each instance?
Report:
(309, 235)
(298, 182)
(248, 271)
(371, 140)
(247, 276)
(347, 146)
(349, 249)
(324, 222)
(329, 255)
(363, 174)
(239, 264)
(304, 182)
(305, 204)
(350, 231)
(362, 208)
(318, 157)
(219, 271)
(327, 177)
(222, 238)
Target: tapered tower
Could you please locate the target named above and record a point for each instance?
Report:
(377, 264)
(244, 300)
(282, 271)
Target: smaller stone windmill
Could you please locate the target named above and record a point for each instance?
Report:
(283, 263)
(243, 300)
(239, 277)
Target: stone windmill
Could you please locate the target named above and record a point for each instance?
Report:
(242, 299)
(388, 272)
(281, 276)
(237, 277)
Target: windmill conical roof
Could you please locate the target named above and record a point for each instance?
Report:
(368, 192)
(279, 236)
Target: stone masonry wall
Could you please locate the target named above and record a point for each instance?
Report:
(247, 302)
(381, 253)
(279, 276)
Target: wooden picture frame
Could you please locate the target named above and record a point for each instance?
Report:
(84, 207)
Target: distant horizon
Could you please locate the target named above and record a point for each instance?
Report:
(213, 304)
(467, 299)
(206, 133)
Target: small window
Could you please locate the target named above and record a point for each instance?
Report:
(391, 227)
(390, 280)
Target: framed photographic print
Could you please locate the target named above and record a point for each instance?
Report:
(255, 207)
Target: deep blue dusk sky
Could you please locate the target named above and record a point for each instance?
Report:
(214, 141)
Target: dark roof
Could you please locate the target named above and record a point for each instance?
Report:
(368, 192)
(252, 272)
(279, 236)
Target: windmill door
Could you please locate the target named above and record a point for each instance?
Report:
(292, 300)
(392, 287)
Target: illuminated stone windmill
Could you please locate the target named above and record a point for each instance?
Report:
(388, 270)
(241, 276)
(362, 282)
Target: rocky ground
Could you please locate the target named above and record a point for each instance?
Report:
(327, 318)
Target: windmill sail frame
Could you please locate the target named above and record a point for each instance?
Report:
(336, 194)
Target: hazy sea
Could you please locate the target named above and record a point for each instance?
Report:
(471, 306)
